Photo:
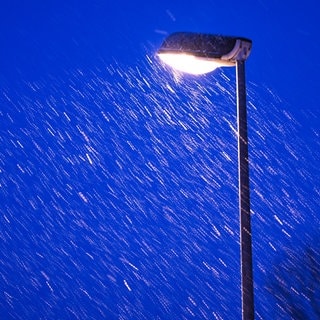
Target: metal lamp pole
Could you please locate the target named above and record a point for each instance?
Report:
(244, 197)
(202, 53)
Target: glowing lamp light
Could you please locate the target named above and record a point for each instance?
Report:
(188, 63)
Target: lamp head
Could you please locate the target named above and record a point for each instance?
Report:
(198, 53)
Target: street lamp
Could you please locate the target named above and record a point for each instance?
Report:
(199, 54)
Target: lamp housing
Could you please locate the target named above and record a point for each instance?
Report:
(198, 53)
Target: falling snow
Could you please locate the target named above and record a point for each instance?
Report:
(119, 197)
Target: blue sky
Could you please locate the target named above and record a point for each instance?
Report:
(119, 179)
(285, 36)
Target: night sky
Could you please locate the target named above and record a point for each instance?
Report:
(118, 177)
